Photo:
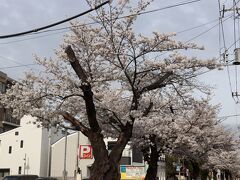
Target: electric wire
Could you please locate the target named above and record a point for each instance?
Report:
(225, 55)
(238, 31)
(14, 61)
(221, 30)
(183, 31)
(229, 79)
(50, 34)
(20, 34)
(66, 29)
(35, 37)
(134, 14)
(234, 24)
(10, 59)
(206, 31)
(229, 116)
(198, 26)
(53, 24)
(17, 66)
(223, 34)
(197, 36)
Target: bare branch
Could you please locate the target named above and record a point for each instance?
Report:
(158, 83)
(75, 64)
(86, 88)
(148, 109)
(79, 126)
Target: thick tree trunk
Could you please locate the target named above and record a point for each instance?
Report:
(153, 161)
(106, 166)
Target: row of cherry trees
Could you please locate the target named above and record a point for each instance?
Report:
(194, 134)
(108, 81)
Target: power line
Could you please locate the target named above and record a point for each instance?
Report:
(229, 116)
(9, 59)
(36, 37)
(198, 26)
(23, 65)
(66, 30)
(206, 31)
(53, 24)
(183, 3)
(225, 53)
(34, 32)
(134, 14)
(182, 31)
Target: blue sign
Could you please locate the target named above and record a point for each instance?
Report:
(178, 168)
(123, 169)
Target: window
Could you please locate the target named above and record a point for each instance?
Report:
(125, 160)
(4, 172)
(10, 149)
(16, 133)
(19, 170)
(21, 144)
(137, 155)
(2, 87)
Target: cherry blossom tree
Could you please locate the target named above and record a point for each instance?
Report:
(190, 131)
(106, 77)
(174, 131)
(207, 142)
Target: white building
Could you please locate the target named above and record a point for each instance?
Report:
(28, 150)
(78, 158)
(24, 150)
(72, 162)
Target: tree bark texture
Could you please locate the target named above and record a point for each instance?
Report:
(106, 166)
(153, 161)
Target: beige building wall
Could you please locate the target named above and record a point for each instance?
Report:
(25, 158)
(32, 157)
(72, 161)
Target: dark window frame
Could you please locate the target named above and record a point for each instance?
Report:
(21, 144)
(10, 150)
(20, 170)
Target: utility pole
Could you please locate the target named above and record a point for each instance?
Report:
(65, 157)
(235, 11)
(49, 152)
(78, 169)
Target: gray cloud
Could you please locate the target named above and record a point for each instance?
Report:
(25, 14)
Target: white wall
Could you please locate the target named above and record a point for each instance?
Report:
(35, 148)
(73, 142)
(57, 159)
(31, 137)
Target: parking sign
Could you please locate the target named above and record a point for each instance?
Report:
(85, 152)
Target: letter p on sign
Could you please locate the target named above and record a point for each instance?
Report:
(85, 152)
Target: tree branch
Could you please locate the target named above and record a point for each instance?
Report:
(158, 83)
(86, 88)
(75, 64)
(148, 109)
(75, 122)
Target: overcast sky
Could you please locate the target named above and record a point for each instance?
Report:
(17, 16)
